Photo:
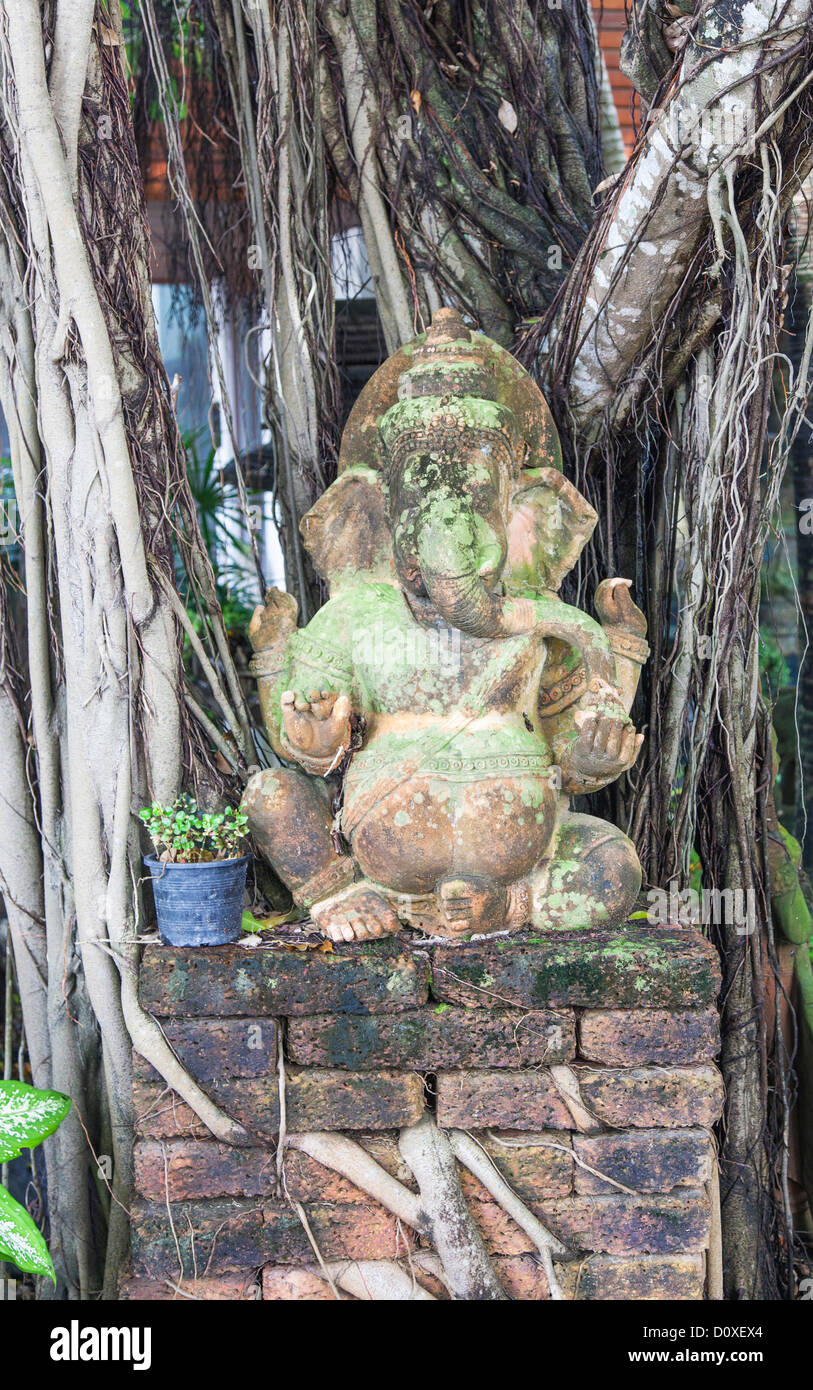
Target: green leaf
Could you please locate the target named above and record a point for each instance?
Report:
(20, 1240)
(27, 1116)
(191, 835)
(252, 923)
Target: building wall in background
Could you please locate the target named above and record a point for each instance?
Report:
(611, 21)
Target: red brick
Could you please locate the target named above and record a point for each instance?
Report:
(227, 1288)
(500, 1232)
(315, 1099)
(620, 1225)
(307, 1180)
(616, 1225)
(595, 1277)
(161, 1114)
(658, 1278)
(432, 1038)
(522, 1277)
(179, 1169)
(322, 1099)
(631, 968)
(298, 1286)
(648, 1097)
(212, 1048)
(536, 1166)
(221, 1236)
(605, 1277)
(229, 981)
(647, 1160)
(500, 1099)
(634, 1037)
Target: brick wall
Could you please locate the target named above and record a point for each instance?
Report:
(610, 19)
(491, 1035)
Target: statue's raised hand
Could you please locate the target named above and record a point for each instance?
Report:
(317, 726)
(615, 608)
(605, 746)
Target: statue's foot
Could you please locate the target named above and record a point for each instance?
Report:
(358, 913)
(419, 911)
(590, 881)
(471, 905)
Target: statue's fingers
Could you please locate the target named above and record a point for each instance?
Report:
(291, 715)
(586, 724)
(297, 726)
(315, 703)
(340, 714)
(292, 701)
(615, 738)
(627, 749)
(601, 735)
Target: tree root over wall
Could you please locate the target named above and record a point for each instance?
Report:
(437, 1213)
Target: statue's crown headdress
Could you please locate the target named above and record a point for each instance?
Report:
(450, 377)
(447, 394)
(449, 362)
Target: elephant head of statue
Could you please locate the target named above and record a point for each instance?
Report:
(451, 482)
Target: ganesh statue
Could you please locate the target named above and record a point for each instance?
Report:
(435, 717)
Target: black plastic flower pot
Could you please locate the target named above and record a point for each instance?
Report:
(198, 904)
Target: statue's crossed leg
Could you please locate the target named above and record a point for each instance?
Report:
(589, 879)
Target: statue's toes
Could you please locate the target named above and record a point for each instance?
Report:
(362, 927)
(381, 920)
(338, 929)
(454, 892)
(360, 916)
(458, 916)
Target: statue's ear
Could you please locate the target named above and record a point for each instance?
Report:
(549, 524)
(347, 531)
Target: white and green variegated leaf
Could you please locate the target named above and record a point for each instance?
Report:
(27, 1116)
(20, 1239)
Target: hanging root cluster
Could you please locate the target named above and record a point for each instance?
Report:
(96, 717)
(467, 135)
(679, 468)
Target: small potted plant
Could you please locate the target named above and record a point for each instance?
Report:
(198, 872)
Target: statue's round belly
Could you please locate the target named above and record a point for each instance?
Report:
(410, 827)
